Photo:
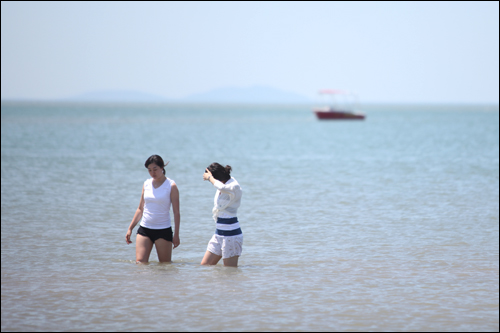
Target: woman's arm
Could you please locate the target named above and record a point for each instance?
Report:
(174, 198)
(229, 189)
(208, 176)
(136, 219)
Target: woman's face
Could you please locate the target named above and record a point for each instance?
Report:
(155, 171)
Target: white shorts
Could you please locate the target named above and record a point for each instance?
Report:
(226, 246)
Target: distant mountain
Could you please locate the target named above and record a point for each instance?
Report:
(118, 96)
(250, 95)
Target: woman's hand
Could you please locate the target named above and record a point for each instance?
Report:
(127, 237)
(176, 241)
(207, 175)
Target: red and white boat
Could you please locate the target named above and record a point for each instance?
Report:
(341, 106)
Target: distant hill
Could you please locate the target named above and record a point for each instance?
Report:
(227, 95)
(250, 95)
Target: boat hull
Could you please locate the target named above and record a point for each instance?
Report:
(338, 115)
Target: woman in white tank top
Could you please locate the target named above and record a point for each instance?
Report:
(158, 194)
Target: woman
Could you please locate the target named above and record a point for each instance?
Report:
(228, 239)
(158, 193)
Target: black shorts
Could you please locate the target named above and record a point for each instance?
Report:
(155, 234)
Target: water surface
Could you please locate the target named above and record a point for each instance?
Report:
(387, 224)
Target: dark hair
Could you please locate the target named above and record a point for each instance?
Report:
(156, 159)
(219, 172)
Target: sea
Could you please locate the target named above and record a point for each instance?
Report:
(385, 224)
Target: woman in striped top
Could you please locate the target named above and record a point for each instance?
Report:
(228, 239)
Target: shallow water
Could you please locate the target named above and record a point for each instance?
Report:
(387, 224)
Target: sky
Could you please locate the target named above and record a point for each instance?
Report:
(385, 51)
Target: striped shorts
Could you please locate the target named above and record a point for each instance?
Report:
(228, 239)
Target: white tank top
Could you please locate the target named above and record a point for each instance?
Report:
(157, 203)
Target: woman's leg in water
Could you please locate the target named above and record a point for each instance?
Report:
(164, 250)
(210, 259)
(143, 248)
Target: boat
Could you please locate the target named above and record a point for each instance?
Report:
(341, 106)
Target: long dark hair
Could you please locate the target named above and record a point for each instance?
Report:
(156, 159)
(219, 172)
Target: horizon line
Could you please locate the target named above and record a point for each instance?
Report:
(184, 102)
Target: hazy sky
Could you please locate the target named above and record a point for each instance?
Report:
(425, 52)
